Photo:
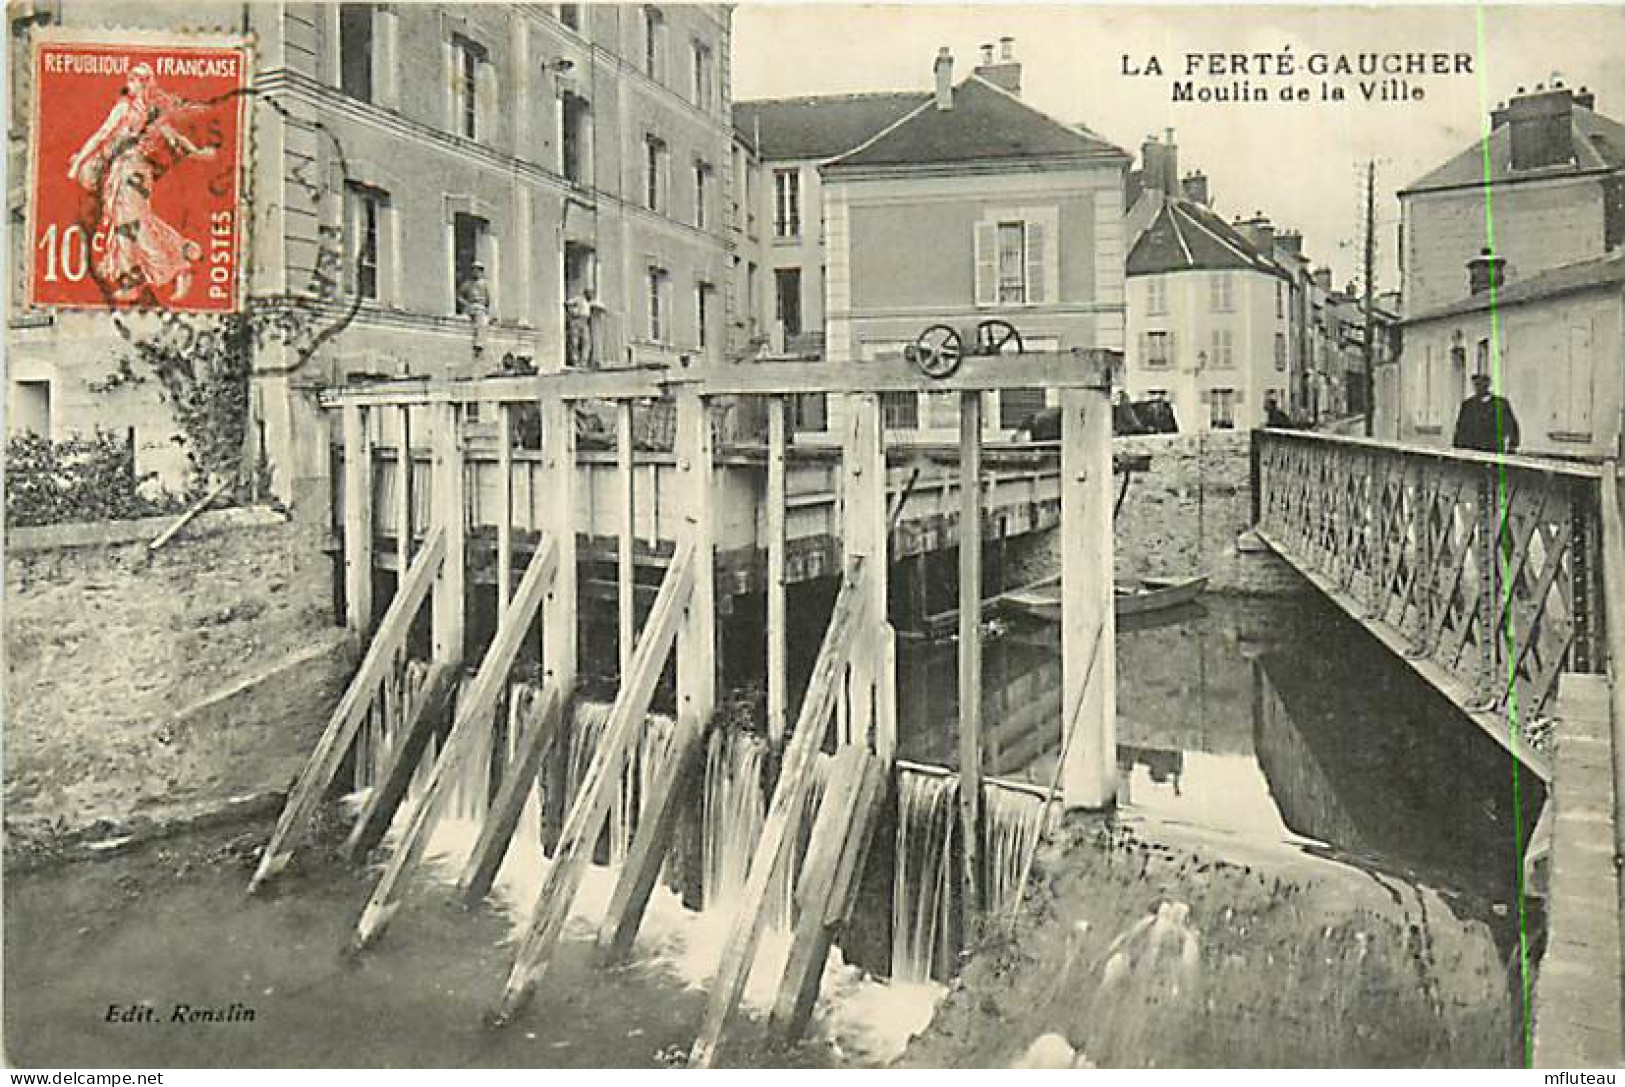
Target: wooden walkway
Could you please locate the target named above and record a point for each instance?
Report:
(1578, 994)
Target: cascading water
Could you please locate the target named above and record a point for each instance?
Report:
(1013, 820)
(731, 822)
(922, 901)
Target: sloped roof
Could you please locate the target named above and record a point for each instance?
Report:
(820, 126)
(986, 124)
(1186, 236)
(1565, 279)
(1599, 144)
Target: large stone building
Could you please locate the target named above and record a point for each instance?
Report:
(1546, 189)
(973, 206)
(564, 147)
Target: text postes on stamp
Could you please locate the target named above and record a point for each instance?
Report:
(137, 174)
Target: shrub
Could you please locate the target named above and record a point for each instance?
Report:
(79, 479)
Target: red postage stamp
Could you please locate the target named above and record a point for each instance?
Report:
(137, 174)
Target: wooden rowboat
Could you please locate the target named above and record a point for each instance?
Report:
(1152, 594)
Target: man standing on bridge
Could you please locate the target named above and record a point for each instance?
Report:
(1485, 421)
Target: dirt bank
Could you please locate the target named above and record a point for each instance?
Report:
(1142, 952)
(141, 690)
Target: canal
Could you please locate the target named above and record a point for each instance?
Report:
(1269, 733)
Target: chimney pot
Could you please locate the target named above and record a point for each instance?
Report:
(987, 53)
(1007, 48)
(1542, 131)
(944, 71)
(1485, 272)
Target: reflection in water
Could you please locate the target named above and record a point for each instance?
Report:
(1275, 721)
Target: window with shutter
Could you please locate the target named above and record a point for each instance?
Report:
(987, 272)
(1038, 263)
(1577, 416)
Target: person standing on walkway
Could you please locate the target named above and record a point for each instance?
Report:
(1486, 422)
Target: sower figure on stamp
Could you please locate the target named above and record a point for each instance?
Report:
(123, 160)
(1486, 424)
(474, 299)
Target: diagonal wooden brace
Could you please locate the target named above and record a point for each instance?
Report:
(342, 727)
(473, 712)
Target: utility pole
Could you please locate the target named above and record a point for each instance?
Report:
(1370, 377)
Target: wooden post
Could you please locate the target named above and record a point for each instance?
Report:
(863, 534)
(696, 681)
(558, 496)
(777, 512)
(697, 637)
(843, 635)
(403, 495)
(625, 559)
(970, 646)
(1088, 627)
(449, 502)
(504, 507)
(357, 521)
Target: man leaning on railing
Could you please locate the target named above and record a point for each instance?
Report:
(1486, 422)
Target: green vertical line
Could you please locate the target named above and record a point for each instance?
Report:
(1502, 563)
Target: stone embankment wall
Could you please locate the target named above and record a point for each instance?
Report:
(1187, 512)
(147, 689)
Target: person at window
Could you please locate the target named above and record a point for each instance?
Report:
(1274, 417)
(578, 317)
(1125, 419)
(474, 299)
(1486, 422)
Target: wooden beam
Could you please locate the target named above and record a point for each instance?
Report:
(864, 534)
(597, 792)
(474, 711)
(656, 825)
(517, 785)
(782, 820)
(403, 492)
(625, 561)
(346, 720)
(558, 485)
(849, 788)
(1088, 625)
(449, 503)
(504, 507)
(429, 715)
(777, 670)
(357, 521)
(696, 637)
(970, 648)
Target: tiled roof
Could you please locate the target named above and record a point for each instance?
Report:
(1599, 144)
(821, 126)
(1186, 236)
(986, 124)
(1583, 275)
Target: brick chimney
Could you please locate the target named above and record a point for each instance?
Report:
(1260, 232)
(1542, 128)
(1290, 241)
(1585, 99)
(1485, 272)
(944, 71)
(1159, 163)
(1005, 70)
(1195, 186)
(1323, 279)
(1498, 116)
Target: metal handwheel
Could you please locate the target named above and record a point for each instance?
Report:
(937, 351)
(992, 337)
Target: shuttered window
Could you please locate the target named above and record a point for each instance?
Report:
(1571, 408)
(1015, 257)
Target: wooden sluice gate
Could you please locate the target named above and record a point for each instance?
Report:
(833, 755)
